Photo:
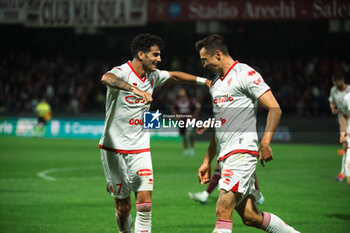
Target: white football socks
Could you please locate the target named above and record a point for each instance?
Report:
(143, 222)
(273, 224)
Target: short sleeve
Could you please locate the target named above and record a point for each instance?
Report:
(160, 77)
(254, 83)
(119, 72)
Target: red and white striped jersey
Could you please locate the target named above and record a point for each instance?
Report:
(123, 129)
(234, 99)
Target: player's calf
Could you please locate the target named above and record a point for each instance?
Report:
(252, 220)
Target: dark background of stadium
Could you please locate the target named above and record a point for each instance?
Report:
(295, 57)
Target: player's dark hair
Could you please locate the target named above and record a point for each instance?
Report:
(212, 43)
(144, 42)
(337, 77)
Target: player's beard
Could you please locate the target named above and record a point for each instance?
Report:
(213, 70)
(150, 66)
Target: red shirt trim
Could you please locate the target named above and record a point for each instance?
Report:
(252, 152)
(132, 68)
(123, 151)
(222, 78)
(264, 92)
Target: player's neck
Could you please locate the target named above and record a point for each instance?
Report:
(226, 64)
(138, 68)
(343, 88)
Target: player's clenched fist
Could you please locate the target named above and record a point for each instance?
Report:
(265, 154)
(146, 97)
(204, 173)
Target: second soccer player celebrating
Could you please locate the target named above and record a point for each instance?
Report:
(125, 146)
(235, 91)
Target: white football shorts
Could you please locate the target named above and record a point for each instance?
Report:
(127, 172)
(237, 175)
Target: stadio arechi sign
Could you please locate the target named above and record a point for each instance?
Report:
(183, 10)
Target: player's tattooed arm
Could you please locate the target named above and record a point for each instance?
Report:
(113, 81)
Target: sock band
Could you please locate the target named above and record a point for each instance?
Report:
(266, 220)
(144, 206)
(223, 224)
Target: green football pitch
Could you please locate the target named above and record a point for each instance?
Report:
(56, 185)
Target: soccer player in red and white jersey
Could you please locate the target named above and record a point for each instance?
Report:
(336, 99)
(125, 145)
(235, 91)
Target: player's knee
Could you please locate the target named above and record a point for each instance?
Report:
(144, 206)
(122, 207)
(123, 210)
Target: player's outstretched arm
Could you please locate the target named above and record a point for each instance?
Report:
(184, 77)
(113, 81)
(269, 102)
(205, 169)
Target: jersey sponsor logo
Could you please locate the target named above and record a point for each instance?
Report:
(151, 120)
(227, 181)
(134, 84)
(136, 122)
(227, 172)
(251, 73)
(144, 172)
(258, 81)
(131, 99)
(224, 99)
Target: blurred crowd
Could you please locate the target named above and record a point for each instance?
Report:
(73, 87)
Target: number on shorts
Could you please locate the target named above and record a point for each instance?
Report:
(120, 188)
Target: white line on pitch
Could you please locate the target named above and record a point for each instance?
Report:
(46, 174)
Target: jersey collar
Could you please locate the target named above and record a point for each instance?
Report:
(132, 68)
(222, 78)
